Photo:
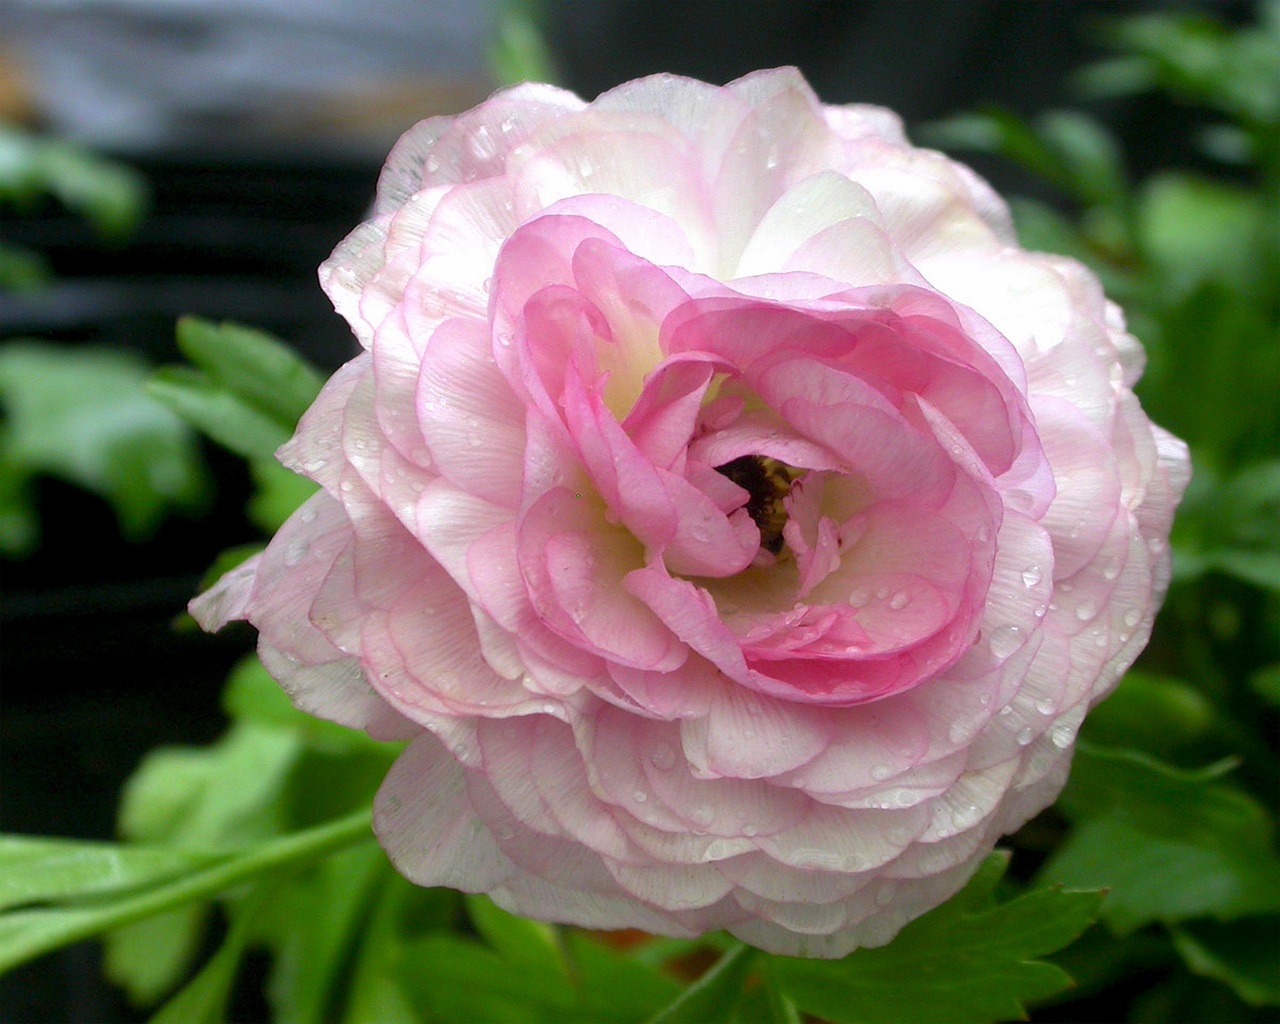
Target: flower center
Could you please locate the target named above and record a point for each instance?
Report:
(767, 482)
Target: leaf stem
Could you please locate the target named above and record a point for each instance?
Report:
(727, 972)
(30, 933)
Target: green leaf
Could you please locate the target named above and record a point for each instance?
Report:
(1244, 954)
(256, 367)
(1086, 153)
(313, 926)
(40, 870)
(451, 978)
(1194, 229)
(227, 794)
(378, 991)
(1171, 845)
(715, 995)
(83, 415)
(246, 390)
(223, 416)
(970, 960)
(515, 938)
(112, 196)
(204, 999)
(1152, 713)
(149, 957)
(519, 52)
(613, 987)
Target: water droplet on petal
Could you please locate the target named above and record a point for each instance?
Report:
(1005, 640)
(1086, 610)
(899, 601)
(663, 757)
(1032, 575)
(295, 552)
(640, 796)
(1062, 734)
(880, 772)
(1024, 736)
(1131, 617)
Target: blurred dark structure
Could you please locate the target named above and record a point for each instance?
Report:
(244, 210)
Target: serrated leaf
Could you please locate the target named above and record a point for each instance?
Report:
(83, 415)
(40, 870)
(1244, 954)
(258, 368)
(970, 960)
(1170, 845)
(225, 794)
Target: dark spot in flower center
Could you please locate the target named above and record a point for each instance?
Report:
(767, 482)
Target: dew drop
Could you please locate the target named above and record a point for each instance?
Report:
(432, 164)
(1024, 736)
(749, 830)
(1062, 735)
(1131, 618)
(859, 597)
(308, 514)
(1045, 707)
(899, 601)
(1086, 611)
(880, 772)
(640, 796)
(1005, 640)
(663, 757)
(1032, 575)
(1112, 570)
(295, 552)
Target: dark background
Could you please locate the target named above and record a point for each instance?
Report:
(93, 672)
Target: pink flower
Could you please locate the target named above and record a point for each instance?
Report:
(736, 520)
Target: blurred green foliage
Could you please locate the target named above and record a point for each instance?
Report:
(1193, 256)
